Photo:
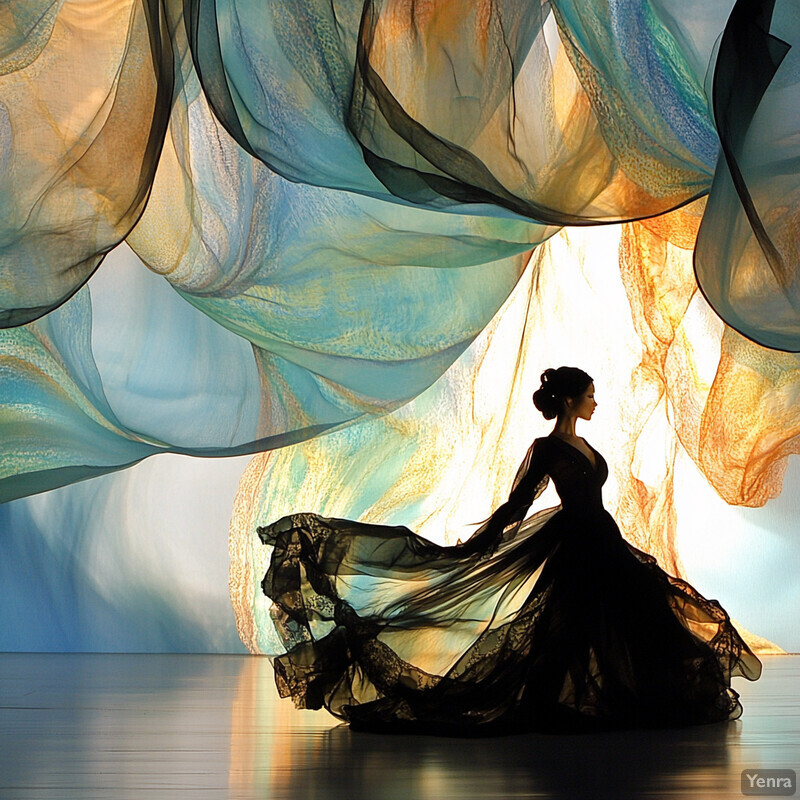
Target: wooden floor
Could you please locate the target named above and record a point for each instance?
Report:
(195, 726)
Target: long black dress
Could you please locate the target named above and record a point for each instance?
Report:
(550, 623)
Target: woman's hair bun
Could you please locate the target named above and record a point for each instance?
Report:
(556, 385)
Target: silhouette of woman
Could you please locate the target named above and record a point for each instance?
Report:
(551, 622)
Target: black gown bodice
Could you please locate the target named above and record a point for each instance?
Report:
(544, 622)
(578, 482)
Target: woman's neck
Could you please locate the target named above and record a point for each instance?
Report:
(565, 426)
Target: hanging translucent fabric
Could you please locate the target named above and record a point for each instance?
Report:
(334, 199)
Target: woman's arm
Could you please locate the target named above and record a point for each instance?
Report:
(529, 483)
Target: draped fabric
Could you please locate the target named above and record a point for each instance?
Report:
(346, 304)
(85, 95)
(748, 276)
(352, 190)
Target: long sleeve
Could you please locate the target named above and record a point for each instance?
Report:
(530, 481)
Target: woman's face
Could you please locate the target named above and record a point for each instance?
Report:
(583, 405)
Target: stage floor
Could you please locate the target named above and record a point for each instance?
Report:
(202, 726)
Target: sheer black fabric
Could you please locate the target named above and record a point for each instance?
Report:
(550, 623)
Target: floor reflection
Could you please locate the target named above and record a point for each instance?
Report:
(278, 752)
(134, 726)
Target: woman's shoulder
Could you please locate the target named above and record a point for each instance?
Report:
(550, 445)
(541, 444)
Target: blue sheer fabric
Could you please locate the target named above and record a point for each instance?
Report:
(347, 192)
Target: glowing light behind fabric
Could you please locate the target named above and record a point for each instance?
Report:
(138, 560)
(329, 202)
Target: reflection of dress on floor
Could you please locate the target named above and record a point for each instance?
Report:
(548, 623)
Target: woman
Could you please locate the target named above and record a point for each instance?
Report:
(552, 622)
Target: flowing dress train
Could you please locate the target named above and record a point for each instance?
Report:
(550, 623)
